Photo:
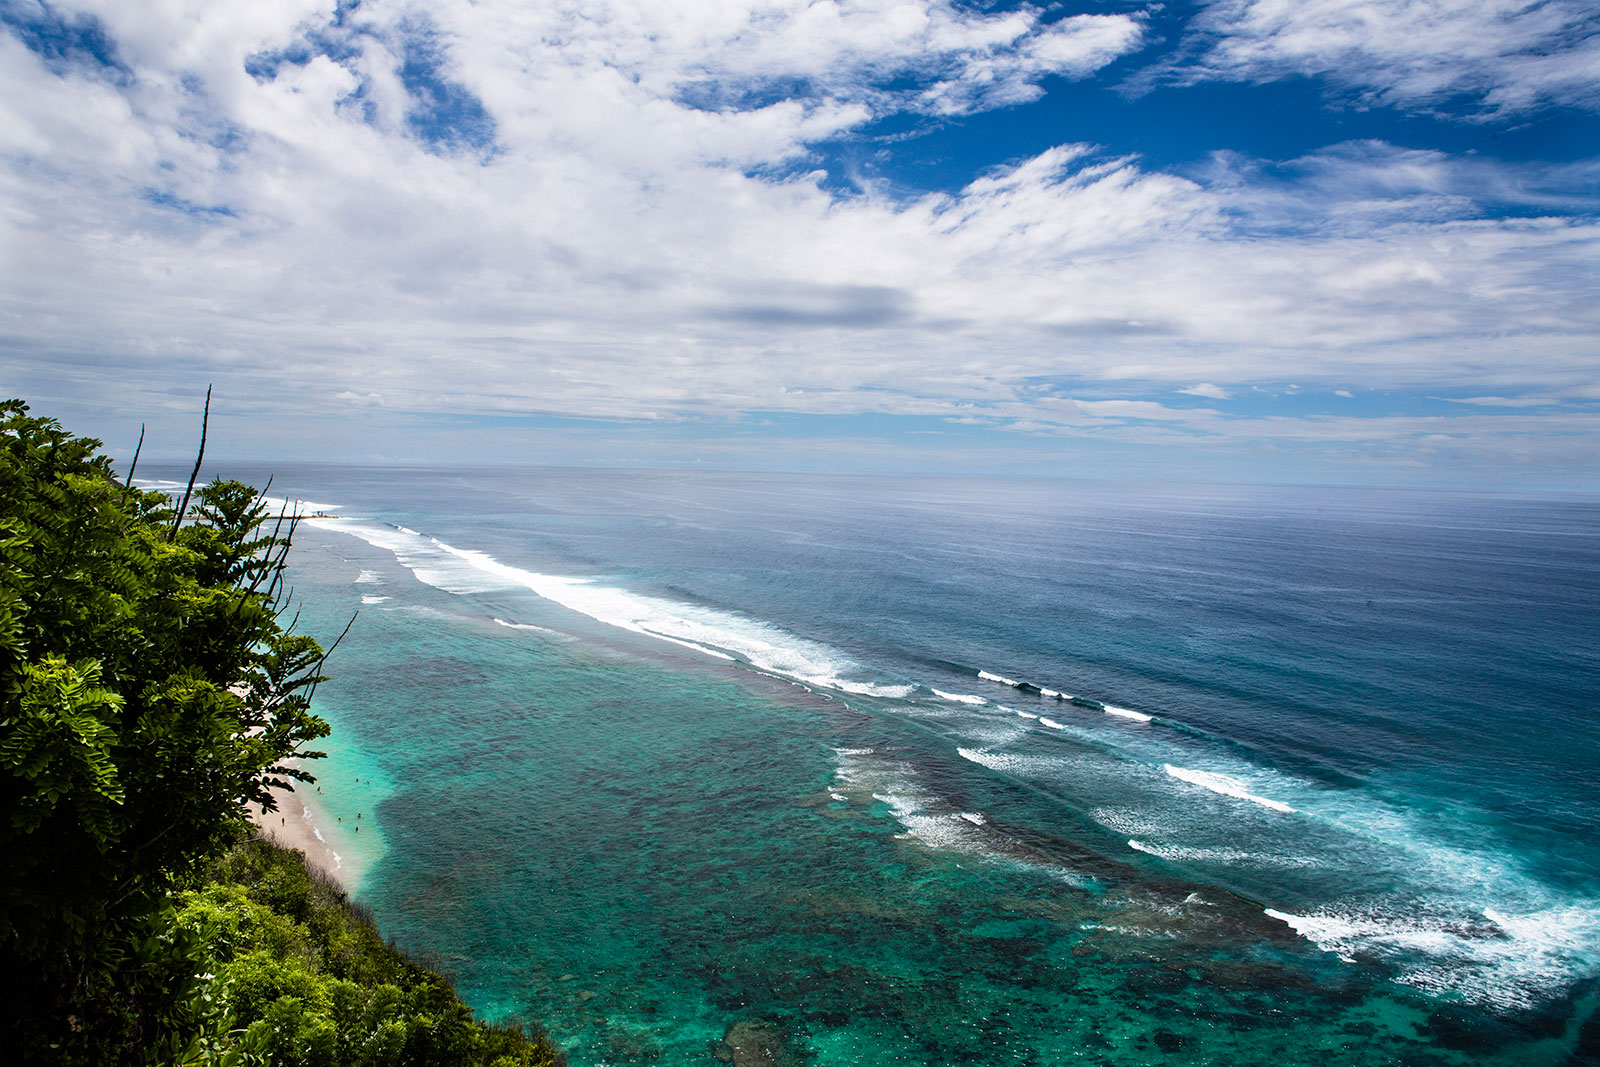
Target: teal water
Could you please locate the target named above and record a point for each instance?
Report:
(644, 757)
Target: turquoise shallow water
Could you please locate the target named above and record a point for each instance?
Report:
(644, 757)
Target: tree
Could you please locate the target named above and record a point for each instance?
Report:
(149, 689)
(301, 978)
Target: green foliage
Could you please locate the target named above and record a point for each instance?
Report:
(59, 743)
(299, 978)
(147, 693)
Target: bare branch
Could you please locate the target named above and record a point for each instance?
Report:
(205, 418)
(127, 482)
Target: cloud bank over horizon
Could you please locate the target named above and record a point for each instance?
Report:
(445, 224)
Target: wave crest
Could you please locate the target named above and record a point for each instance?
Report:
(1226, 785)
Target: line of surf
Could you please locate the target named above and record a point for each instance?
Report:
(1512, 961)
(1226, 785)
(523, 626)
(718, 634)
(931, 819)
(957, 698)
(1064, 698)
(275, 505)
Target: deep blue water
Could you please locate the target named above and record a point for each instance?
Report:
(646, 754)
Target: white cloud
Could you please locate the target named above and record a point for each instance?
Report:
(642, 239)
(725, 56)
(1501, 401)
(1141, 409)
(1507, 55)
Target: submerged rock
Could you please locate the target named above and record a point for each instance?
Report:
(756, 1044)
(1167, 1041)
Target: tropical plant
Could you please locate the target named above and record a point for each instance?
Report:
(149, 690)
(300, 978)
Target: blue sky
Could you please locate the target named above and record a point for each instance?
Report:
(1328, 240)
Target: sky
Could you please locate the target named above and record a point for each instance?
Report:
(1350, 241)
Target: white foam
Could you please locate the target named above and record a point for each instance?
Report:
(1125, 821)
(524, 626)
(874, 689)
(917, 811)
(995, 761)
(1185, 854)
(305, 817)
(369, 578)
(986, 676)
(1226, 785)
(1136, 716)
(707, 631)
(993, 733)
(696, 647)
(959, 698)
(275, 505)
(278, 505)
(1051, 693)
(930, 819)
(1032, 766)
(1515, 964)
(910, 811)
(373, 599)
(1052, 723)
(939, 831)
(417, 554)
(1130, 931)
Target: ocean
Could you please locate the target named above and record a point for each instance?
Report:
(901, 770)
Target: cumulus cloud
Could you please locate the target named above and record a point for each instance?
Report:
(613, 211)
(1506, 55)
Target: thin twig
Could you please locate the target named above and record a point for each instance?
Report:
(205, 418)
(317, 670)
(127, 483)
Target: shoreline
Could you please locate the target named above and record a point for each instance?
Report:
(297, 829)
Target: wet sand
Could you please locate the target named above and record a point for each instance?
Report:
(293, 825)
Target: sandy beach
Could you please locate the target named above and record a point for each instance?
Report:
(294, 825)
